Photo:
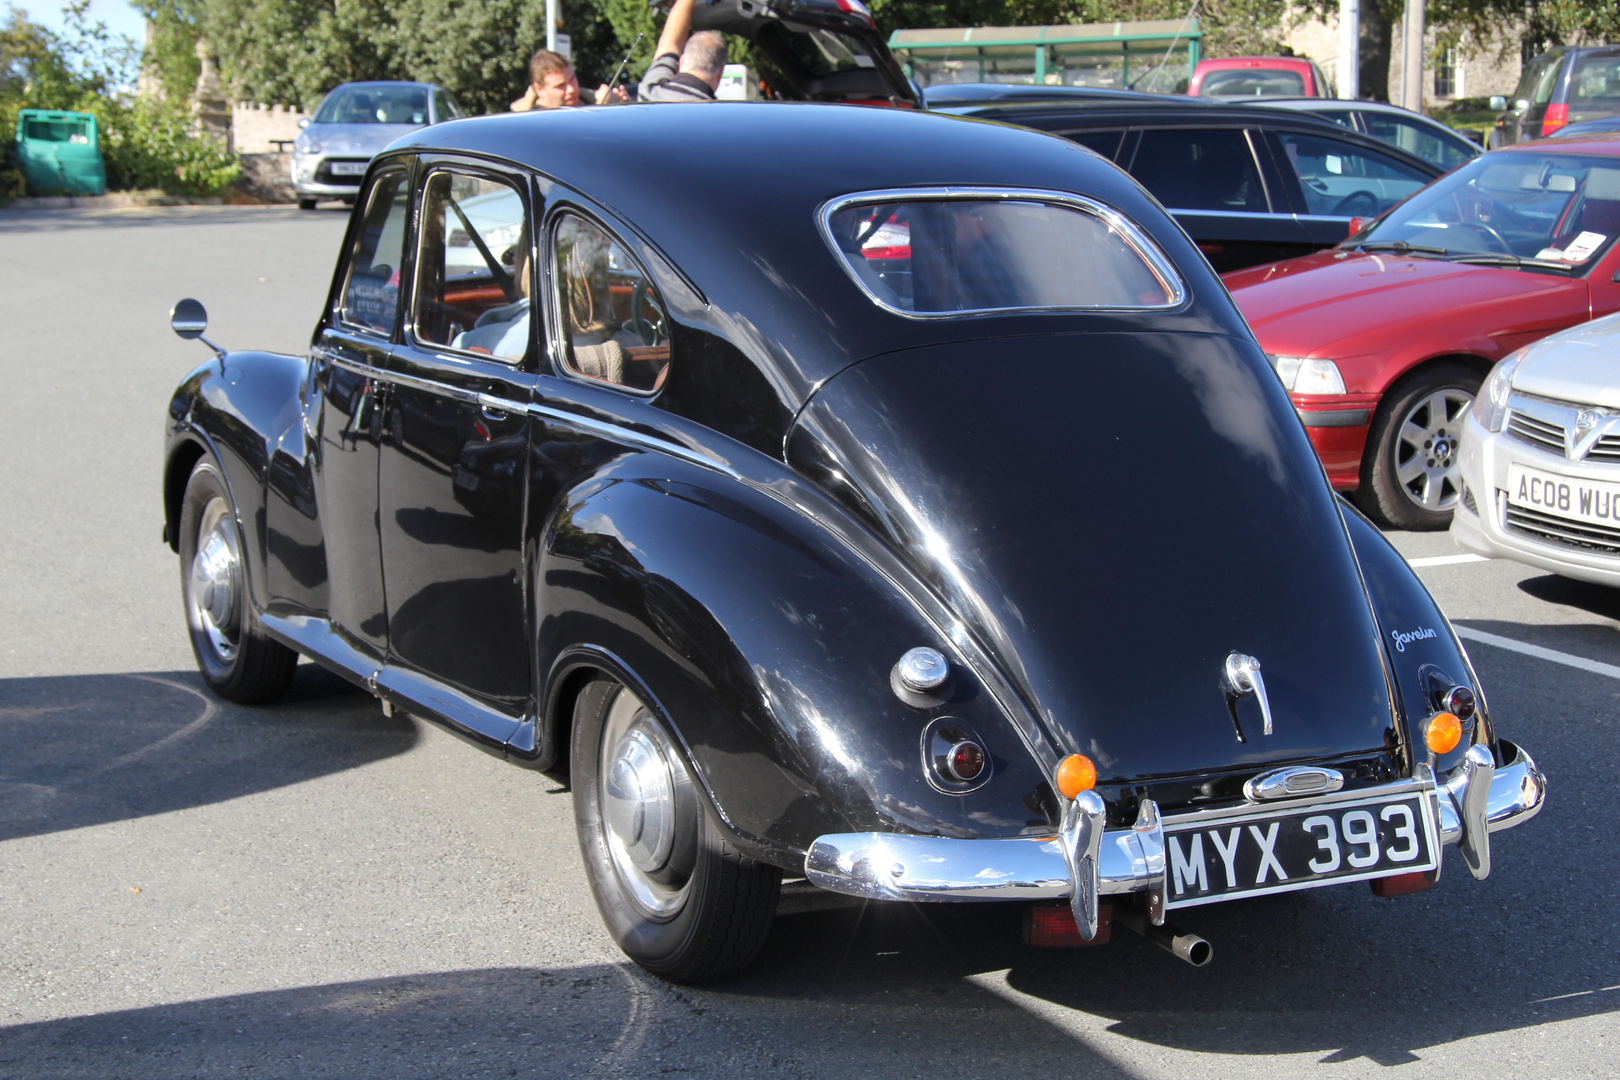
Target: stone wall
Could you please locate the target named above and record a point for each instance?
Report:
(254, 126)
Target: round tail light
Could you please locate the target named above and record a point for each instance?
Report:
(965, 761)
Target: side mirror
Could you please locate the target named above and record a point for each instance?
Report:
(1498, 103)
(303, 121)
(188, 319)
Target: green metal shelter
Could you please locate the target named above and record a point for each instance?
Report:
(1157, 54)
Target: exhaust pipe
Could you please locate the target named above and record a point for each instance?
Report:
(1169, 937)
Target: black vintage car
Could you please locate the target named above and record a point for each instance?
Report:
(860, 494)
(1250, 184)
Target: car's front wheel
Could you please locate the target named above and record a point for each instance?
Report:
(679, 900)
(1410, 476)
(238, 660)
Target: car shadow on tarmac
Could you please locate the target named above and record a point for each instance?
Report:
(1601, 600)
(90, 749)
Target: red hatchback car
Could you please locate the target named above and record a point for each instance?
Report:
(1383, 342)
(1258, 76)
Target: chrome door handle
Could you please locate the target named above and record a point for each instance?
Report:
(1243, 677)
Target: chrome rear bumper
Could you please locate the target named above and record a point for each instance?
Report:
(1473, 801)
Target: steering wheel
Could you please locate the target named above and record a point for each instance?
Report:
(651, 330)
(1359, 204)
(1502, 246)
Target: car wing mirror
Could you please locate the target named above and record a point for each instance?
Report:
(1498, 103)
(188, 319)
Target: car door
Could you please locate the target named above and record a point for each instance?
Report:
(1219, 190)
(1331, 180)
(454, 459)
(350, 357)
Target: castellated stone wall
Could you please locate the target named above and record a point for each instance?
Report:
(254, 126)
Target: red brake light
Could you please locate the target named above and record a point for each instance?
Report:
(1557, 116)
(1052, 926)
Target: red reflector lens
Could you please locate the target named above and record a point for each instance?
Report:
(966, 760)
(1557, 116)
(1356, 225)
(1051, 926)
(1401, 884)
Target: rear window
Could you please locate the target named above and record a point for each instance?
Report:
(1253, 82)
(963, 253)
(1594, 88)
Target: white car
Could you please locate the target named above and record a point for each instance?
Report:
(1540, 456)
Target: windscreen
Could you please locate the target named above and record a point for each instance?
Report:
(963, 255)
(375, 104)
(1562, 209)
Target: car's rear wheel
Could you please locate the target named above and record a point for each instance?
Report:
(679, 900)
(1410, 477)
(237, 660)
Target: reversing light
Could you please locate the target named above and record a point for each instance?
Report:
(1075, 774)
(1442, 733)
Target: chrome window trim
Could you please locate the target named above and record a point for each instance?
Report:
(446, 350)
(1135, 237)
(557, 337)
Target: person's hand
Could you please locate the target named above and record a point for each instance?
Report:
(526, 102)
(616, 96)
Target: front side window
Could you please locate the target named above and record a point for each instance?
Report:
(612, 316)
(370, 297)
(1556, 210)
(1340, 179)
(1200, 169)
(473, 272)
(962, 255)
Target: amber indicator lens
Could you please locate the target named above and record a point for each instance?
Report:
(1460, 702)
(1443, 733)
(965, 761)
(1075, 774)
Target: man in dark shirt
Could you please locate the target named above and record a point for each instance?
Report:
(686, 66)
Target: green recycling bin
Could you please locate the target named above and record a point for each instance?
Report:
(60, 153)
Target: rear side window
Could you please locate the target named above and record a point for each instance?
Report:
(1547, 82)
(1200, 169)
(958, 254)
(1415, 139)
(612, 317)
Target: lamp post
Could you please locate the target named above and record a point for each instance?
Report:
(551, 25)
(1349, 49)
(1412, 61)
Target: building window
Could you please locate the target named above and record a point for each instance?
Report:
(1445, 73)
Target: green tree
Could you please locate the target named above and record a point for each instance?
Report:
(172, 53)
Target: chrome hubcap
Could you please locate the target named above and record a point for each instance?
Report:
(215, 593)
(1426, 449)
(648, 808)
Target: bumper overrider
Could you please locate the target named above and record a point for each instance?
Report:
(1086, 860)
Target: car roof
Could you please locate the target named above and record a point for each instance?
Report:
(972, 93)
(728, 192)
(382, 82)
(1223, 62)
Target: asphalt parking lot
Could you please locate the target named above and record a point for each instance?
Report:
(190, 888)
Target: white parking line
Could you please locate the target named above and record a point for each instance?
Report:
(1469, 634)
(1446, 560)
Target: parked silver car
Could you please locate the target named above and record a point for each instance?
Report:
(1540, 457)
(1413, 132)
(352, 125)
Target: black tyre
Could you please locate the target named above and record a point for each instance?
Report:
(1409, 473)
(306, 204)
(678, 899)
(238, 661)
